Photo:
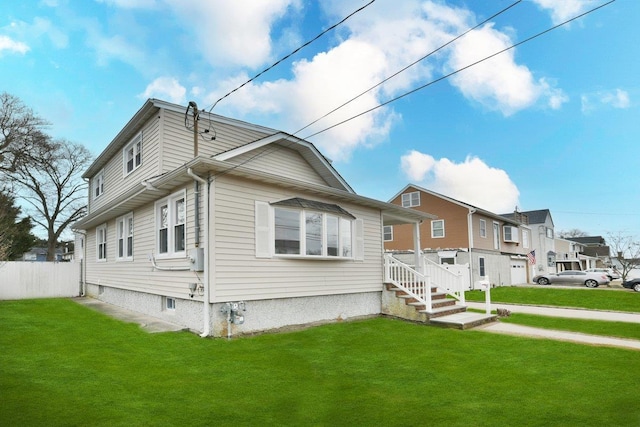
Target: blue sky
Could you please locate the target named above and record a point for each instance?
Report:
(552, 124)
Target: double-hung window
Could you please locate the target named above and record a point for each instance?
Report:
(437, 228)
(101, 243)
(98, 185)
(304, 228)
(410, 200)
(124, 237)
(387, 233)
(483, 228)
(133, 154)
(171, 225)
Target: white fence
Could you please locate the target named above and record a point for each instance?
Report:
(23, 280)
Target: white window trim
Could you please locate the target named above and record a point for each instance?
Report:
(408, 198)
(102, 227)
(513, 231)
(135, 141)
(97, 183)
(390, 227)
(495, 230)
(265, 235)
(124, 222)
(170, 202)
(525, 239)
(432, 229)
(483, 228)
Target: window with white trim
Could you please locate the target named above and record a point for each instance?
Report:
(387, 233)
(307, 232)
(410, 200)
(171, 225)
(101, 243)
(510, 234)
(124, 237)
(98, 184)
(549, 233)
(481, 267)
(132, 154)
(169, 304)
(483, 228)
(437, 228)
(525, 239)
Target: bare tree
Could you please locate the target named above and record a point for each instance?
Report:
(626, 251)
(51, 183)
(574, 232)
(21, 133)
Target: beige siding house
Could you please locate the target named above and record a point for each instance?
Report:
(240, 229)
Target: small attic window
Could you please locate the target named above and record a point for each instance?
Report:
(132, 154)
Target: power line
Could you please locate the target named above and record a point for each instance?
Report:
(460, 69)
(410, 65)
(292, 53)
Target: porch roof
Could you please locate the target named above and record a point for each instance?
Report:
(155, 188)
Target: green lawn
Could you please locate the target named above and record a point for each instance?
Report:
(63, 364)
(598, 299)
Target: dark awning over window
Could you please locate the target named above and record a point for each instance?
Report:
(300, 203)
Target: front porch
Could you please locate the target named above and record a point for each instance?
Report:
(434, 296)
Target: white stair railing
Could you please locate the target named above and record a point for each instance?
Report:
(407, 279)
(450, 282)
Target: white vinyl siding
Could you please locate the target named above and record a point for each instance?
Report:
(241, 271)
(115, 183)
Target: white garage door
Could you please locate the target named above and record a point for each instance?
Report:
(518, 271)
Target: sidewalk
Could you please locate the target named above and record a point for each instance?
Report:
(528, 331)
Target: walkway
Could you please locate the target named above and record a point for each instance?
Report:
(512, 329)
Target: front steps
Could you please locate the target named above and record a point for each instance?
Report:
(446, 312)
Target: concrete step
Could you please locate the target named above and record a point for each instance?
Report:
(463, 320)
(444, 311)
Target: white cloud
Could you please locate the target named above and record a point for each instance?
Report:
(498, 83)
(562, 10)
(9, 45)
(617, 98)
(232, 33)
(167, 88)
(472, 181)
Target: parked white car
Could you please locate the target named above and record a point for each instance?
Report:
(611, 274)
(589, 279)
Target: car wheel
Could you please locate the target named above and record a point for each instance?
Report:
(636, 287)
(591, 283)
(543, 281)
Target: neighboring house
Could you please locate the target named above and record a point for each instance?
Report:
(462, 234)
(570, 256)
(233, 228)
(542, 239)
(39, 254)
(596, 247)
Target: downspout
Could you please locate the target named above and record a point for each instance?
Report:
(206, 328)
(470, 230)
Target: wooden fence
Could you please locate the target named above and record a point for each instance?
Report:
(24, 280)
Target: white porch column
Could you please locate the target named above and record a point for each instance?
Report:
(417, 252)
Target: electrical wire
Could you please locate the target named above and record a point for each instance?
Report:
(307, 43)
(446, 76)
(410, 65)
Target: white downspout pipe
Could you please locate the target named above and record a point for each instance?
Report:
(470, 230)
(206, 328)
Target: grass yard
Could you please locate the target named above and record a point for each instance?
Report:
(598, 299)
(63, 364)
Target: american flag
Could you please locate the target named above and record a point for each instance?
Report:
(532, 257)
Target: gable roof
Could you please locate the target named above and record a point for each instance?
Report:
(589, 240)
(320, 164)
(538, 216)
(151, 107)
(459, 203)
